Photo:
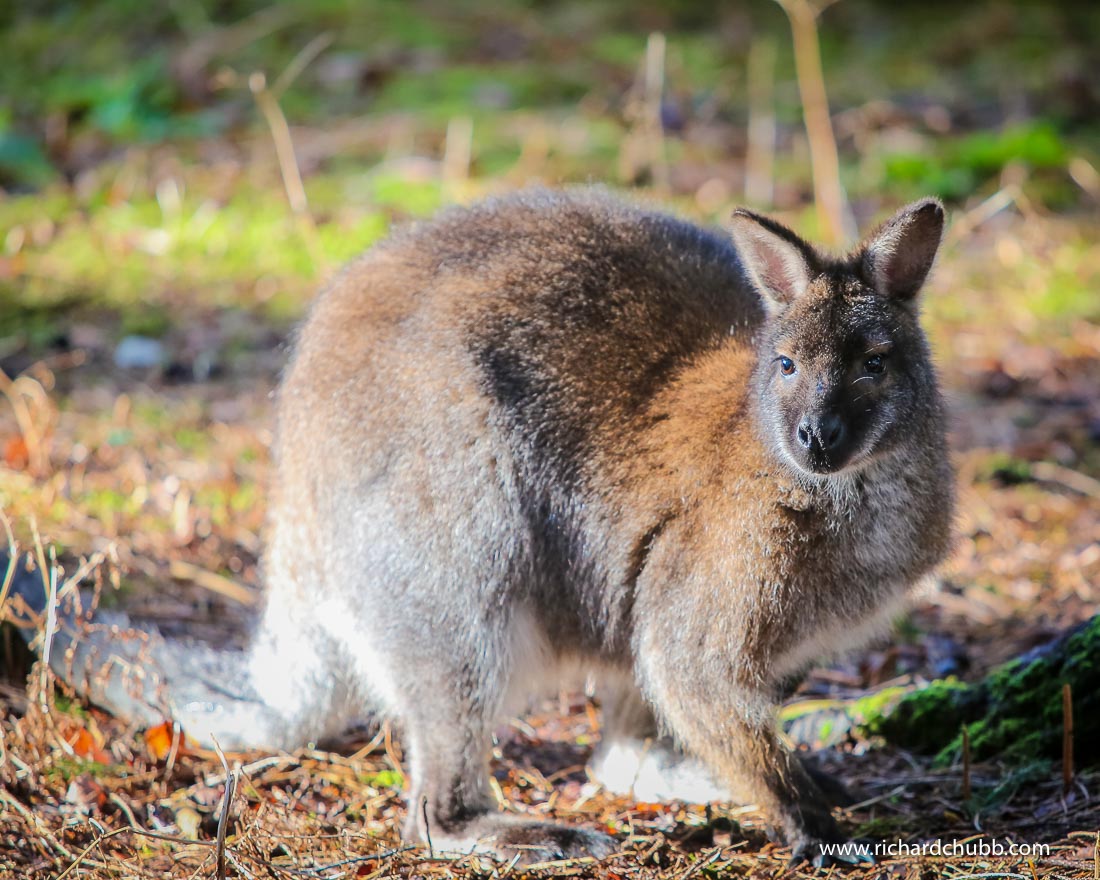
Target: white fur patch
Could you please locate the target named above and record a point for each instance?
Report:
(651, 771)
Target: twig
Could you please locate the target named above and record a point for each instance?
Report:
(356, 860)
(1085, 176)
(1067, 738)
(983, 212)
(377, 740)
(249, 769)
(457, 150)
(223, 819)
(117, 800)
(427, 826)
(837, 223)
(966, 763)
(760, 157)
(215, 583)
(643, 149)
(702, 863)
(877, 799)
(173, 750)
(557, 863)
(49, 577)
(654, 95)
(13, 557)
(288, 163)
(79, 859)
(301, 61)
(391, 752)
(284, 145)
(1049, 472)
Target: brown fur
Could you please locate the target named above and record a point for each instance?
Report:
(551, 429)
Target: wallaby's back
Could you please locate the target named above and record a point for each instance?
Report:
(478, 371)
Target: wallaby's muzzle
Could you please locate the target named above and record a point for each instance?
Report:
(823, 439)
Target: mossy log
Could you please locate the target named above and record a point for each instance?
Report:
(1014, 714)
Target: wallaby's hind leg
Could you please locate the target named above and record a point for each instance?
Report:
(448, 719)
(633, 758)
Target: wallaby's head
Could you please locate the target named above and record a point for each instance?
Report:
(844, 372)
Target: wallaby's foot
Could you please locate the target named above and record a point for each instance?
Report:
(506, 837)
(547, 842)
(814, 838)
(654, 770)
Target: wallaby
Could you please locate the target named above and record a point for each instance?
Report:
(550, 432)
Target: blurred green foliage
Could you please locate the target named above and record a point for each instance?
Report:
(955, 167)
(139, 174)
(122, 71)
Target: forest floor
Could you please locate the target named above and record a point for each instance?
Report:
(151, 271)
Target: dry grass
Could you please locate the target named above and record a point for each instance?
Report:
(324, 814)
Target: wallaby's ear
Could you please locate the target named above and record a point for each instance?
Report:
(778, 262)
(899, 254)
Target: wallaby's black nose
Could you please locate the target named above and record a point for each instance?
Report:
(821, 433)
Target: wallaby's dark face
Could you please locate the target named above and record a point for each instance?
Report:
(842, 361)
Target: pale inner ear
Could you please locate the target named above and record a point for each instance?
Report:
(776, 267)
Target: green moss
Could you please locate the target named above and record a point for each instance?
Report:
(385, 779)
(1015, 713)
(879, 703)
(67, 706)
(67, 769)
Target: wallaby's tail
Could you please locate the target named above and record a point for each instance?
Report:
(140, 676)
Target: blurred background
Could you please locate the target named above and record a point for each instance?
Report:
(178, 178)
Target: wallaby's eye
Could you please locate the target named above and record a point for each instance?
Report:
(786, 366)
(876, 363)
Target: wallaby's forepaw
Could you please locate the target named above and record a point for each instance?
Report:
(815, 838)
(547, 842)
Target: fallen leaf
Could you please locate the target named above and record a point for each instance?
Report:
(85, 793)
(84, 743)
(159, 741)
(189, 822)
(16, 454)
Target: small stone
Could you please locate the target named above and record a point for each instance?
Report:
(139, 353)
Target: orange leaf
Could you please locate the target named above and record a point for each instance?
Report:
(16, 454)
(158, 740)
(83, 743)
